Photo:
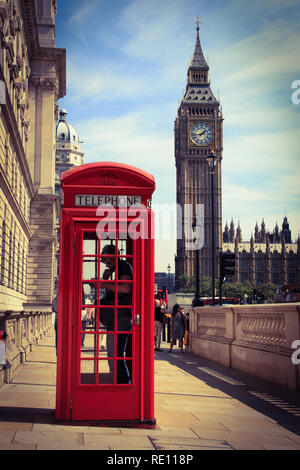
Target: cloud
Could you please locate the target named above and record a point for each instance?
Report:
(165, 251)
(131, 138)
(266, 55)
(256, 55)
(154, 27)
(249, 116)
(245, 194)
(262, 153)
(105, 83)
(84, 12)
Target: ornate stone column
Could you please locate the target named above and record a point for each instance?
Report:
(268, 270)
(252, 262)
(45, 88)
(284, 269)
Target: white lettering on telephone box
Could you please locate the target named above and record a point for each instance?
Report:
(95, 200)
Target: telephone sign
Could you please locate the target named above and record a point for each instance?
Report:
(107, 200)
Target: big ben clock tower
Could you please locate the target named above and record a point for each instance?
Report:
(198, 131)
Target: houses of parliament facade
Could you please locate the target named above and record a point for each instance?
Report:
(269, 257)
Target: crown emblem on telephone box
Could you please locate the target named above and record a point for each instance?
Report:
(109, 180)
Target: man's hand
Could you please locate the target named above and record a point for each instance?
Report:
(106, 274)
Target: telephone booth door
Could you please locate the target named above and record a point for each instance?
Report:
(107, 319)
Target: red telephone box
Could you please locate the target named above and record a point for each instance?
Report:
(105, 350)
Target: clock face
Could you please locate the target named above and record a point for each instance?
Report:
(201, 134)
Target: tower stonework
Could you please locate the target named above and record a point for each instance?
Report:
(198, 130)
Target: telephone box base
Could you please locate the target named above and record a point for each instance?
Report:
(146, 424)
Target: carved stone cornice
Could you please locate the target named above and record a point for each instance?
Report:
(30, 25)
(57, 55)
(49, 84)
(46, 84)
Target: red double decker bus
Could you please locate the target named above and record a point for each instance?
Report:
(225, 300)
(162, 295)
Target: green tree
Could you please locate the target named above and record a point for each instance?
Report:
(229, 289)
(247, 288)
(187, 283)
(269, 290)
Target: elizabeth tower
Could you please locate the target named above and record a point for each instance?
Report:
(198, 132)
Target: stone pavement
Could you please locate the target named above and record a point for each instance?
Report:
(198, 405)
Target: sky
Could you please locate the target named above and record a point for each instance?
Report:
(127, 62)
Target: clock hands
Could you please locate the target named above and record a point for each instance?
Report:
(203, 132)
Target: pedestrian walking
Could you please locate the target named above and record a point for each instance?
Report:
(3, 359)
(178, 326)
(159, 321)
(55, 310)
(88, 315)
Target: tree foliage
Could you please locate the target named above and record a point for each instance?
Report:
(229, 289)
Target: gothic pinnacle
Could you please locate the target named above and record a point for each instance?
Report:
(198, 59)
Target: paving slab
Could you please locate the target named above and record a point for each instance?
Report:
(44, 427)
(4, 446)
(186, 442)
(50, 440)
(14, 426)
(100, 441)
(177, 431)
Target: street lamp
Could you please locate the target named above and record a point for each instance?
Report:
(169, 277)
(212, 162)
(197, 302)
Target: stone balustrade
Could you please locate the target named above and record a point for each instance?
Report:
(24, 330)
(256, 339)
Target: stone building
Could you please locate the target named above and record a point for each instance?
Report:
(32, 74)
(68, 154)
(198, 128)
(269, 257)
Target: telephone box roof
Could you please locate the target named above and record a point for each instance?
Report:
(107, 174)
